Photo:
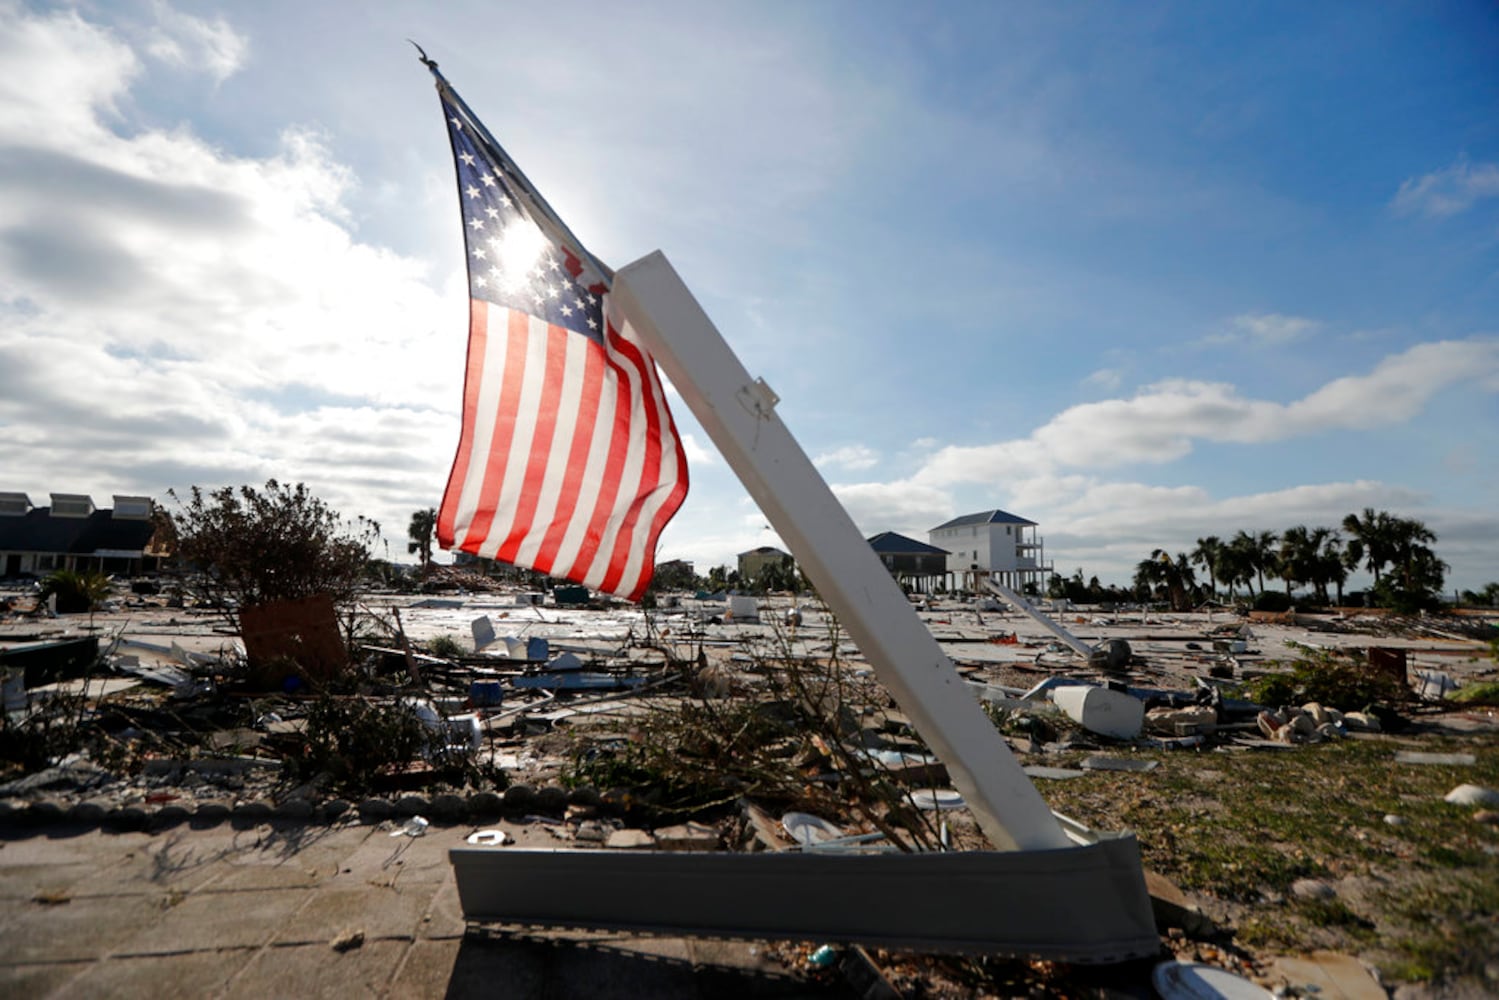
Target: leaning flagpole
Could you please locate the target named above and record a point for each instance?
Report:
(1082, 901)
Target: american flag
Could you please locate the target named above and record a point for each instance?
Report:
(568, 460)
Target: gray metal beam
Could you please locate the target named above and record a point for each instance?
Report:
(1083, 904)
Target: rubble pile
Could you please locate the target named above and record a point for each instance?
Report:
(686, 728)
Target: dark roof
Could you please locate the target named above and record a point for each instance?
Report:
(39, 531)
(890, 543)
(765, 550)
(984, 517)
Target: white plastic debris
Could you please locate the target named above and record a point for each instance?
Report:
(413, 827)
(1472, 795)
(483, 632)
(806, 829)
(933, 799)
(488, 838)
(1101, 711)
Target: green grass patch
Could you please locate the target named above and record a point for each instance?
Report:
(1244, 826)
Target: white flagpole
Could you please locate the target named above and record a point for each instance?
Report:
(739, 414)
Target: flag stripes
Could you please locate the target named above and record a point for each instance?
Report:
(568, 462)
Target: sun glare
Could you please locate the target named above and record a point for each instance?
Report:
(517, 252)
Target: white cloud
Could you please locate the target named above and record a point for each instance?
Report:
(1444, 193)
(698, 454)
(907, 507)
(852, 457)
(173, 314)
(61, 74)
(1261, 329)
(1104, 378)
(1161, 423)
(1275, 328)
(196, 44)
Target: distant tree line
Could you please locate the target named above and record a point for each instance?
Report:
(1396, 550)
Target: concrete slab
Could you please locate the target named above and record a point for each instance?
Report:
(207, 920)
(78, 930)
(373, 859)
(1330, 974)
(195, 974)
(424, 859)
(445, 914)
(382, 913)
(181, 859)
(39, 980)
(311, 971)
(149, 915)
(22, 882)
(469, 967)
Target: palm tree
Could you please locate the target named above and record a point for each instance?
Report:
(1257, 551)
(1208, 555)
(1233, 565)
(1294, 556)
(423, 524)
(1371, 539)
(1410, 553)
(1174, 575)
(1148, 577)
(1331, 565)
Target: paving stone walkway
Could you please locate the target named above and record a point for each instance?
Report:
(286, 910)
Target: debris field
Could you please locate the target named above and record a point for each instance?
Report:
(717, 723)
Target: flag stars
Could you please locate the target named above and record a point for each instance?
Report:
(472, 191)
(476, 223)
(467, 158)
(480, 253)
(457, 125)
(505, 200)
(492, 212)
(488, 180)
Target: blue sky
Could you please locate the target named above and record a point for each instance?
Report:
(1139, 272)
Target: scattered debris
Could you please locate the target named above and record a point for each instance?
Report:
(347, 941)
(1195, 981)
(1329, 974)
(1118, 764)
(1472, 795)
(1101, 710)
(1445, 759)
(604, 727)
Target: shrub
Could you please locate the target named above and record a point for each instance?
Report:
(1341, 680)
(1273, 601)
(75, 592)
(282, 543)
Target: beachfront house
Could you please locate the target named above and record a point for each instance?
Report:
(995, 544)
(918, 567)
